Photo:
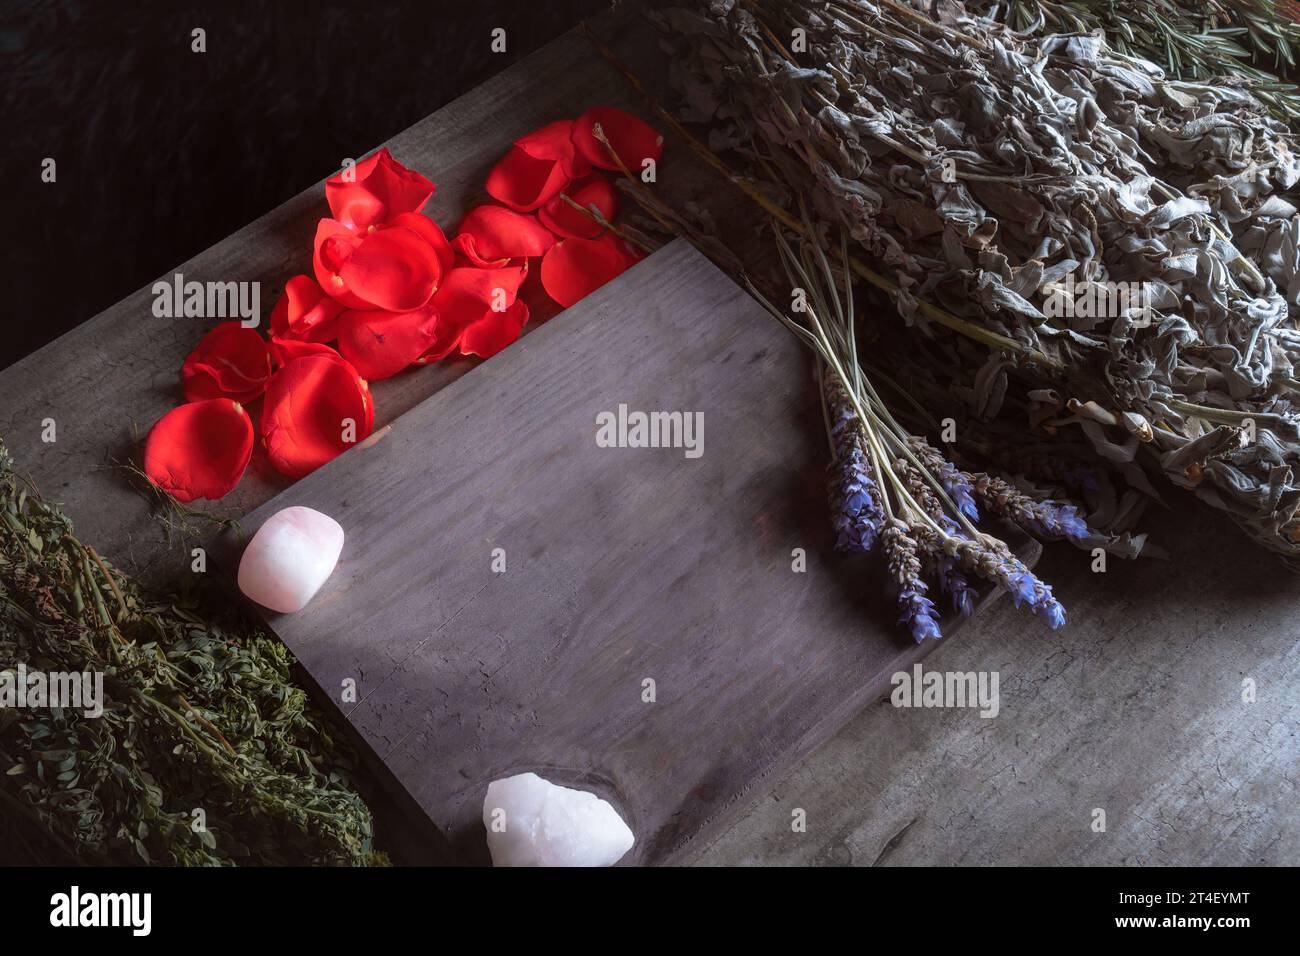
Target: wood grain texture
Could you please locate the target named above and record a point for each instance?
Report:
(622, 564)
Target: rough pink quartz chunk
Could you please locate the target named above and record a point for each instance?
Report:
(289, 558)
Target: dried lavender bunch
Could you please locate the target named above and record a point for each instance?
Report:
(859, 520)
(881, 490)
(999, 186)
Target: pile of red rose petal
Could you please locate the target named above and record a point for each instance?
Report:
(388, 291)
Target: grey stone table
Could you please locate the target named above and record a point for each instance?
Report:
(1135, 708)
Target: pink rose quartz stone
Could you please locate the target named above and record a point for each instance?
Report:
(289, 558)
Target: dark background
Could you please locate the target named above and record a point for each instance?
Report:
(161, 151)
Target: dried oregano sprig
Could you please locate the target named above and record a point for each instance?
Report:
(882, 492)
(201, 714)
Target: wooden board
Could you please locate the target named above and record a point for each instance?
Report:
(622, 565)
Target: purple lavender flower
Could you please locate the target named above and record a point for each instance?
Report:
(1049, 519)
(1058, 520)
(947, 572)
(915, 609)
(856, 511)
(917, 612)
(958, 486)
(955, 584)
(1027, 591)
(954, 481)
(993, 562)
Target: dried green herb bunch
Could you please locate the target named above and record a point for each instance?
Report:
(206, 752)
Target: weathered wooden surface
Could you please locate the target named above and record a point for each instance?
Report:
(622, 565)
(1134, 700)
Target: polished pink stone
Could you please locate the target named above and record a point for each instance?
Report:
(289, 558)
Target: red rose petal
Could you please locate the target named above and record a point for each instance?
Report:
(432, 234)
(336, 246)
(465, 244)
(574, 268)
(466, 296)
(231, 361)
(382, 188)
(554, 142)
(333, 246)
(199, 450)
(493, 331)
(284, 351)
(490, 236)
(308, 406)
(305, 312)
(524, 182)
(633, 139)
(565, 221)
(381, 344)
(393, 268)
